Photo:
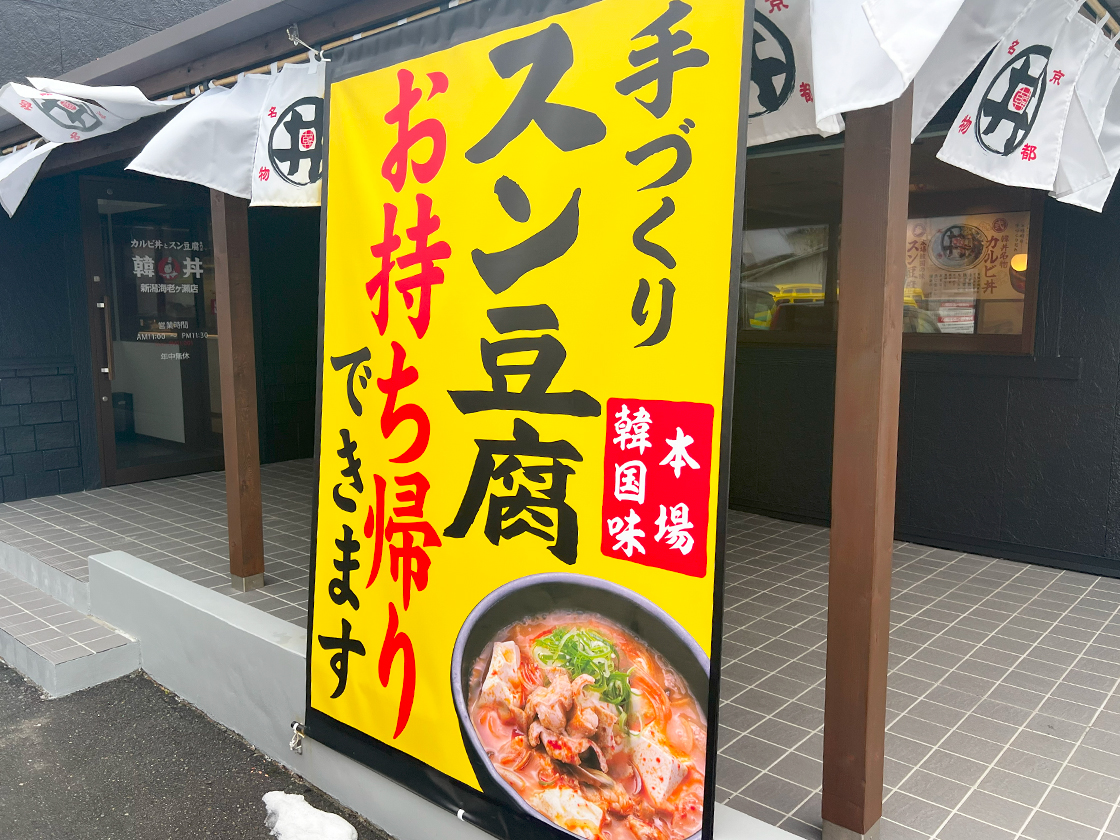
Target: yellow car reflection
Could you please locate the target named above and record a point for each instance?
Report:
(797, 293)
(760, 306)
(814, 292)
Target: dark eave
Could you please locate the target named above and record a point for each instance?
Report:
(234, 36)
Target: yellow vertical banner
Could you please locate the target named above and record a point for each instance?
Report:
(531, 232)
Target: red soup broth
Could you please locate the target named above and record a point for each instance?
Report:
(667, 701)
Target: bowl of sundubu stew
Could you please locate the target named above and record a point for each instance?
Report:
(584, 705)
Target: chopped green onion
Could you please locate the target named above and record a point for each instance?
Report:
(582, 652)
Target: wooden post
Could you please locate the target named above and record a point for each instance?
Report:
(865, 440)
(237, 365)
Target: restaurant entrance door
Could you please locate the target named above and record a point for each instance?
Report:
(153, 326)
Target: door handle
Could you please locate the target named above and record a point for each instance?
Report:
(103, 305)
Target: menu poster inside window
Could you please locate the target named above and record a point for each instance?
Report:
(969, 272)
(532, 216)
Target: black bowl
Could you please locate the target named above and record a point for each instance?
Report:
(539, 594)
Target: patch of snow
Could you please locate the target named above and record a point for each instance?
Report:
(291, 818)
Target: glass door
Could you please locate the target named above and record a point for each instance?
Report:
(153, 328)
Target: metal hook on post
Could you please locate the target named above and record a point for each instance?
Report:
(293, 36)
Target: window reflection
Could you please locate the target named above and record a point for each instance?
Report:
(782, 281)
(966, 246)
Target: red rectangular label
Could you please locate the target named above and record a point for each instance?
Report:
(657, 483)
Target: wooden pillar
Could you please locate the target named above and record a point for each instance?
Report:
(237, 365)
(865, 440)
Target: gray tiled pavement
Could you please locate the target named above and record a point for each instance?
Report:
(53, 630)
(178, 524)
(1003, 714)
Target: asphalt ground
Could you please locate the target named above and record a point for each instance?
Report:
(128, 760)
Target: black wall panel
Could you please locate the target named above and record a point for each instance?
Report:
(46, 397)
(284, 253)
(34, 307)
(782, 431)
(1057, 465)
(952, 425)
